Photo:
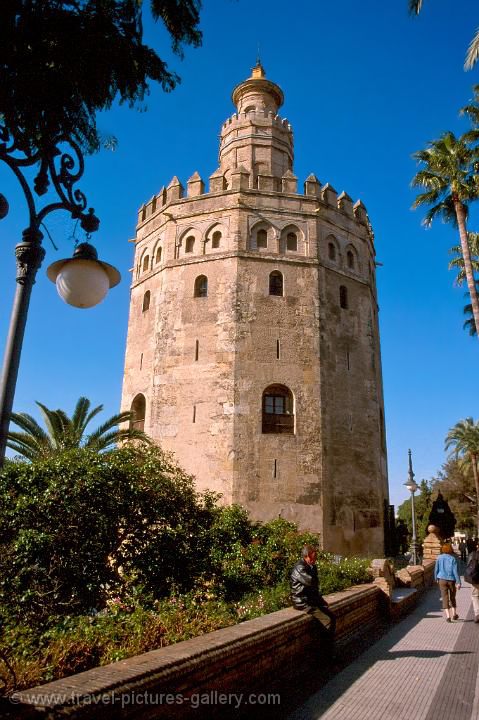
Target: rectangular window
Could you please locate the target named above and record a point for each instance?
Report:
(197, 350)
(275, 469)
(278, 350)
(194, 413)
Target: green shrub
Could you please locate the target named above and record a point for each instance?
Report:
(78, 525)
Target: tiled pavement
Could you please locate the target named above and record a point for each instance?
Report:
(423, 669)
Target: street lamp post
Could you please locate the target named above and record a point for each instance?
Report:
(60, 170)
(412, 486)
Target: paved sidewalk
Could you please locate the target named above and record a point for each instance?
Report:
(423, 669)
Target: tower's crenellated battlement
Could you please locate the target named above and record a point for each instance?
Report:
(258, 116)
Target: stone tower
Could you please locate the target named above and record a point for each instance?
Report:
(253, 344)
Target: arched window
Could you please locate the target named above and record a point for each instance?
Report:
(292, 242)
(189, 244)
(350, 259)
(138, 410)
(275, 283)
(262, 239)
(331, 251)
(216, 239)
(278, 410)
(343, 297)
(201, 286)
(146, 301)
(146, 263)
(158, 254)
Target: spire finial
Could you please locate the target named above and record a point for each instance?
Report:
(258, 70)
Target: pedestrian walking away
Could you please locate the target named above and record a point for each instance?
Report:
(472, 575)
(306, 594)
(447, 576)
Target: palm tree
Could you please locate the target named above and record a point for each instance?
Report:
(464, 438)
(472, 55)
(457, 262)
(65, 433)
(448, 176)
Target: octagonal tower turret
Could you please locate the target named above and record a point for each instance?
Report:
(255, 137)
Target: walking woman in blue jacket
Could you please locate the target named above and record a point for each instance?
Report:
(447, 575)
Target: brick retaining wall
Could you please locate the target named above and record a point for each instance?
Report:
(238, 659)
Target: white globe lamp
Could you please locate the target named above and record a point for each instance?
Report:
(83, 281)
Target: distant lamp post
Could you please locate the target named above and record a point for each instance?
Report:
(412, 486)
(82, 281)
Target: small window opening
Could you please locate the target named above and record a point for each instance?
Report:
(141, 361)
(292, 242)
(350, 259)
(343, 297)
(194, 413)
(331, 251)
(201, 286)
(146, 262)
(348, 360)
(216, 239)
(153, 204)
(276, 283)
(262, 239)
(189, 244)
(138, 411)
(278, 414)
(278, 350)
(275, 468)
(197, 350)
(146, 301)
(158, 254)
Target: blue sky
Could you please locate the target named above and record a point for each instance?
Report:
(365, 86)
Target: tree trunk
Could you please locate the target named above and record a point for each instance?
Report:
(466, 254)
(475, 473)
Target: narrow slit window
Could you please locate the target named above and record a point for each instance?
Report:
(146, 301)
(278, 350)
(194, 413)
(197, 350)
(275, 468)
(141, 361)
(343, 297)
(158, 254)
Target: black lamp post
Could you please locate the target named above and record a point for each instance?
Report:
(82, 281)
(412, 486)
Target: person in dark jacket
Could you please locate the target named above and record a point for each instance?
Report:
(306, 594)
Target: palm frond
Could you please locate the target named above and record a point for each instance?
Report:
(472, 52)
(80, 412)
(415, 7)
